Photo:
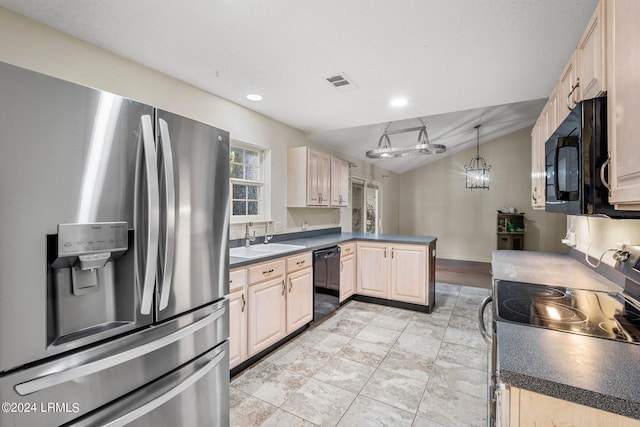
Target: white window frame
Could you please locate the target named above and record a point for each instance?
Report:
(263, 183)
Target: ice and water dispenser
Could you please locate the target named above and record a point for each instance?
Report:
(90, 286)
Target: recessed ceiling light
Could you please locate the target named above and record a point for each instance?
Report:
(398, 102)
(254, 97)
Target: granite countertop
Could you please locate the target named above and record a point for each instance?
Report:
(328, 240)
(587, 370)
(547, 268)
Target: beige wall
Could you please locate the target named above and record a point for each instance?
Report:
(464, 220)
(28, 44)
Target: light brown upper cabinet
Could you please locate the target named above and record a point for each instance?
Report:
(568, 88)
(591, 56)
(537, 167)
(316, 179)
(623, 109)
(339, 182)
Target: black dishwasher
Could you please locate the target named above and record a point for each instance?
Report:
(326, 282)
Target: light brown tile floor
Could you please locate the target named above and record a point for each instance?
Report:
(372, 365)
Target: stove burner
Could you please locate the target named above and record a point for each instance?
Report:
(546, 311)
(540, 291)
(612, 328)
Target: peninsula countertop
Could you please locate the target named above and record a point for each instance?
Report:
(587, 370)
(332, 239)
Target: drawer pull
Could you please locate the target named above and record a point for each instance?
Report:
(301, 262)
(268, 271)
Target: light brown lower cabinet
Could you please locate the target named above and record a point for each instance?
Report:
(393, 271)
(347, 276)
(527, 408)
(299, 299)
(237, 317)
(267, 314)
(409, 273)
(373, 269)
(281, 304)
(237, 328)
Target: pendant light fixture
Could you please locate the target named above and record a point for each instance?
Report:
(477, 169)
(423, 146)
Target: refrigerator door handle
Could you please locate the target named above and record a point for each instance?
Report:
(167, 263)
(170, 394)
(148, 152)
(71, 374)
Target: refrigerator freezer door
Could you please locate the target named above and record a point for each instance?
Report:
(199, 224)
(68, 156)
(194, 395)
(89, 379)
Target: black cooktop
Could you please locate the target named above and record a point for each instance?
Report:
(602, 314)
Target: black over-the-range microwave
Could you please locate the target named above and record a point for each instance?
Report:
(576, 161)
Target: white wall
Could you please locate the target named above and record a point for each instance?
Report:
(465, 220)
(31, 45)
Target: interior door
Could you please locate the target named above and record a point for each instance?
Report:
(193, 260)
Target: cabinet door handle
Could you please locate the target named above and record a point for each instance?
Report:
(290, 284)
(385, 252)
(568, 100)
(244, 303)
(268, 271)
(603, 177)
(230, 281)
(341, 266)
(533, 194)
(284, 287)
(392, 252)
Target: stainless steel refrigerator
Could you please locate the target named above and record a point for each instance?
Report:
(113, 260)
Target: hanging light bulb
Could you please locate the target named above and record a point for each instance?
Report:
(477, 170)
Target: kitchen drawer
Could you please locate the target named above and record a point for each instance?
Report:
(347, 249)
(237, 280)
(265, 271)
(298, 262)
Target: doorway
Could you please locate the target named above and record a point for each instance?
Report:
(365, 206)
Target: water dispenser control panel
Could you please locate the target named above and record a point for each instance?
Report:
(82, 239)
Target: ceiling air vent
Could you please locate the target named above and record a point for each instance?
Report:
(341, 81)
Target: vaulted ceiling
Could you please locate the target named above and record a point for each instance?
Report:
(458, 63)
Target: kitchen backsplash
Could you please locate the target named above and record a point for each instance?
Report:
(595, 235)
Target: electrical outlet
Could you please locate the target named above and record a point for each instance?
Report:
(570, 240)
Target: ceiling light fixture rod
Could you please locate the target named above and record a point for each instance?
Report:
(392, 132)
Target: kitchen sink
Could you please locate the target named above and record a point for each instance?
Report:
(262, 250)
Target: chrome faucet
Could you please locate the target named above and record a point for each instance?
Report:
(267, 236)
(247, 235)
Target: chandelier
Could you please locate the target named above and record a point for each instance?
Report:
(477, 169)
(423, 146)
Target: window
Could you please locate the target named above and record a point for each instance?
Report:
(246, 175)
